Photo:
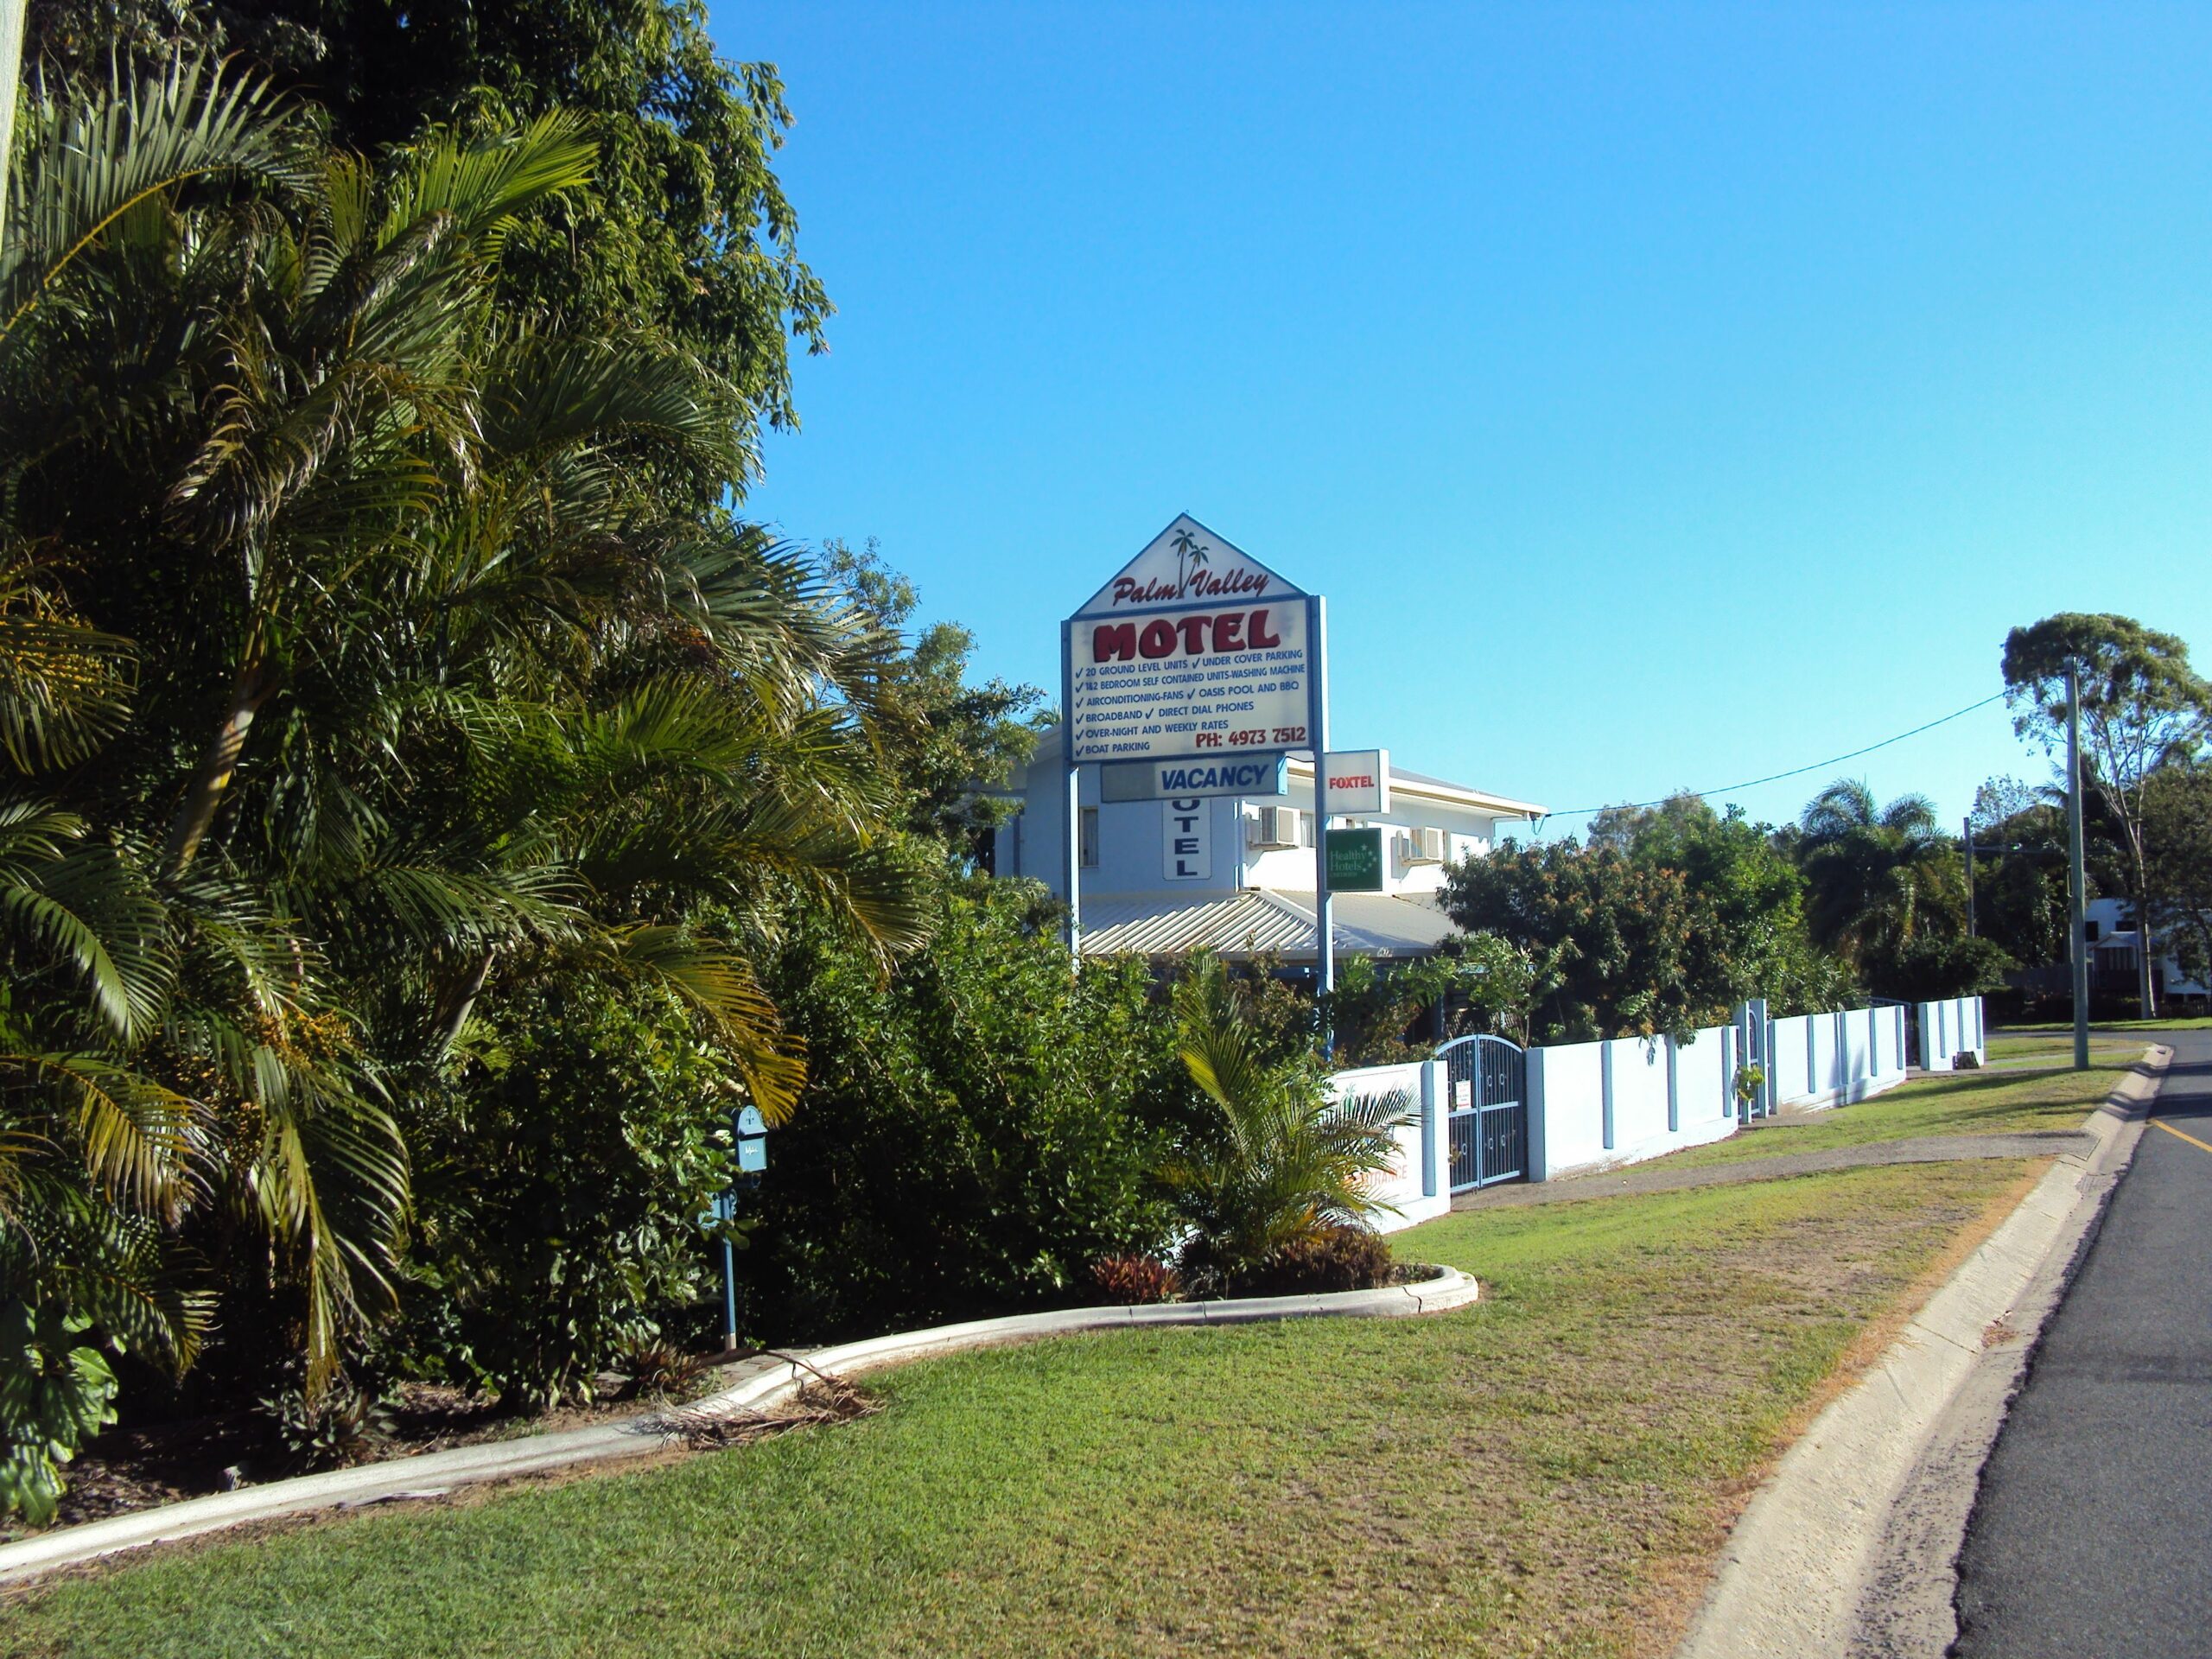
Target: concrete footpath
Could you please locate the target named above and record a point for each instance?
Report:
(1846, 1550)
(2091, 1532)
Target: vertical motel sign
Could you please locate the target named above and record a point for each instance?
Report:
(1195, 651)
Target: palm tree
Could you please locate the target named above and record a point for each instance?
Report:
(353, 667)
(1875, 876)
(1276, 1161)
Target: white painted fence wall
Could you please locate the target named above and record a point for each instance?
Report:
(1418, 1187)
(1621, 1101)
(1949, 1029)
(1832, 1060)
(1592, 1105)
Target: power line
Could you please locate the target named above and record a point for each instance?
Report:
(1795, 771)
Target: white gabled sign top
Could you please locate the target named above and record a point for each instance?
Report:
(1187, 565)
(1195, 650)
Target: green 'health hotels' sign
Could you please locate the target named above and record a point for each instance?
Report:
(1355, 860)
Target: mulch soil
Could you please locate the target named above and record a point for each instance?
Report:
(130, 1468)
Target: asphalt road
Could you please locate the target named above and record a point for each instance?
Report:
(2092, 1537)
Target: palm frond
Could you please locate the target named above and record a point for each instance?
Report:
(722, 985)
(92, 153)
(65, 688)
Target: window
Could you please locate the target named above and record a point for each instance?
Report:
(1089, 838)
(1276, 827)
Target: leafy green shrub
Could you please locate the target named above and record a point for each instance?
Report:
(55, 1394)
(333, 1430)
(1272, 1161)
(1328, 1259)
(979, 1124)
(561, 1181)
(1135, 1280)
(1930, 968)
(660, 1369)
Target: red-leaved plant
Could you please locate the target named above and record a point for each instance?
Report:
(1133, 1280)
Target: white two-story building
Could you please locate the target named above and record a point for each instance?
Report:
(1236, 875)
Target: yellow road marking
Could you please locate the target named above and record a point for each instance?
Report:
(2160, 1123)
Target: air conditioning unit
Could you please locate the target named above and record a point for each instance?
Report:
(1423, 847)
(1272, 827)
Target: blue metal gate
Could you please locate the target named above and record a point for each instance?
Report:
(1488, 1116)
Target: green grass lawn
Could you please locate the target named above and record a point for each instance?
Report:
(2057, 1047)
(1550, 1472)
(2190, 1022)
(1961, 1103)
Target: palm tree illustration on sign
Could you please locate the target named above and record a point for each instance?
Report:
(1189, 552)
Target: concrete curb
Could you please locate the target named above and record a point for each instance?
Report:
(1802, 1574)
(434, 1474)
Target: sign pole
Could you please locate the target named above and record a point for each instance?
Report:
(1071, 851)
(1073, 854)
(1317, 727)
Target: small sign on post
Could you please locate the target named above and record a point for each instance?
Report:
(750, 1132)
(1359, 780)
(1355, 860)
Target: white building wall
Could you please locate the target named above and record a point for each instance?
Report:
(1132, 839)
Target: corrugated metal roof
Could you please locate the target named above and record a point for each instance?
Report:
(1260, 920)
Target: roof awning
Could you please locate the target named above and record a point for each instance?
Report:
(1261, 920)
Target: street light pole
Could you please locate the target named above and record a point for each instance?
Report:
(2077, 878)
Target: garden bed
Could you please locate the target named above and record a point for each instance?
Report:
(128, 1469)
(765, 1392)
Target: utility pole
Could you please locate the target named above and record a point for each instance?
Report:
(1966, 845)
(2077, 878)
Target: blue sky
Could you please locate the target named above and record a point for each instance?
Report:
(1662, 396)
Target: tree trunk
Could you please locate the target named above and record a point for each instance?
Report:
(460, 1001)
(2141, 898)
(2143, 962)
(203, 796)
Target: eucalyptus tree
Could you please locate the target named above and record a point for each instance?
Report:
(2143, 707)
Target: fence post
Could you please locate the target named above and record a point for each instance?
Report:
(1534, 1082)
(1674, 1088)
(1732, 1060)
(1762, 1029)
(1605, 1091)
(1428, 1122)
